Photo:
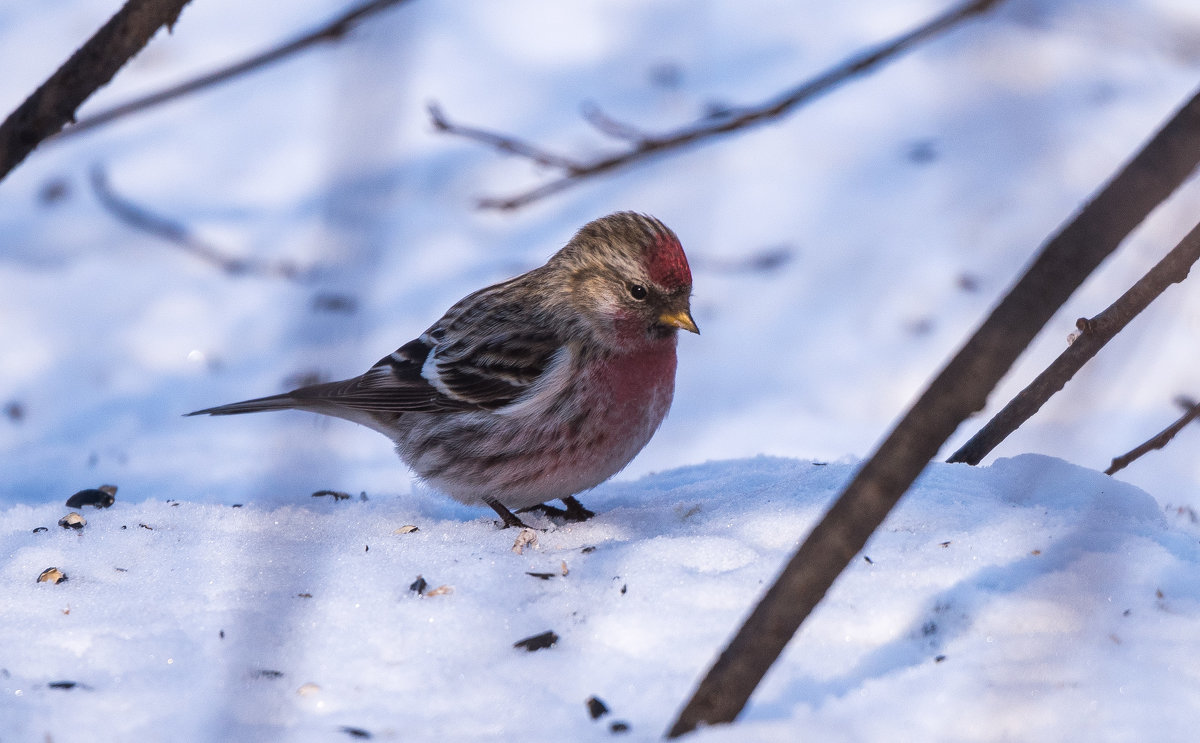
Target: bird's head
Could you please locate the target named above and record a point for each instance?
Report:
(630, 278)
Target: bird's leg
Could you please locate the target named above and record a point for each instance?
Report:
(575, 510)
(507, 516)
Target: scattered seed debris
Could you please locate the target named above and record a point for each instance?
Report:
(101, 497)
(146, 526)
(337, 494)
(596, 707)
(869, 560)
(440, 591)
(527, 538)
(588, 549)
(624, 588)
(355, 732)
(304, 595)
(564, 569)
(542, 576)
(407, 529)
(618, 727)
(418, 586)
(308, 690)
(52, 575)
(37, 529)
(72, 521)
(545, 640)
(939, 658)
(946, 544)
(266, 673)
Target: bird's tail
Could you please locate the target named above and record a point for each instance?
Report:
(275, 402)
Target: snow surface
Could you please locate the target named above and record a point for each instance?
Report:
(839, 254)
(1029, 600)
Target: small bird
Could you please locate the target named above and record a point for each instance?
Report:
(536, 388)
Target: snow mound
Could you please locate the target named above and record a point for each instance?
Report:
(1029, 600)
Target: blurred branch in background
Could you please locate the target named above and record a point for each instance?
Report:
(177, 234)
(52, 106)
(1094, 334)
(332, 31)
(960, 389)
(643, 146)
(1192, 412)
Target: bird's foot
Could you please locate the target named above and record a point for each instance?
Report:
(574, 511)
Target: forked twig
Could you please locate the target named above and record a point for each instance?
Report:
(644, 146)
(1161, 439)
(1094, 334)
(52, 106)
(334, 30)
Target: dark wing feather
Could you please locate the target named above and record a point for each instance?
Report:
(495, 371)
(393, 385)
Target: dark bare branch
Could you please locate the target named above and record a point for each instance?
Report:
(175, 233)
(52, 106)
(332, 31)
(1093, 336)
(1192, 412)
(960, 389)
(645, 146)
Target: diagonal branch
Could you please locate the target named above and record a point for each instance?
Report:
(332, 31)
(1158, 441)
(52, 106)
(960, 389)
(644, 146)
(1095, 333)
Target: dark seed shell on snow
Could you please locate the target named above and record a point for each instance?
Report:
(92, 497)
(545, 640)
(596, 707)
(72, 521)
(52, 575)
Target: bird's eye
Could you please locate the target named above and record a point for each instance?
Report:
(637, 291)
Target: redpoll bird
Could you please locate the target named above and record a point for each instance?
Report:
(536, 388)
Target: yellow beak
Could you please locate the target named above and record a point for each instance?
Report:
(681, 319)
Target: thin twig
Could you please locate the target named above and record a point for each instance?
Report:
(1160, 440)
(511, 145)
(1094, 334)
(52, 106)
(960, 389)
(334, 30)
(175, 233)
(644, 146)
(606, 124)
